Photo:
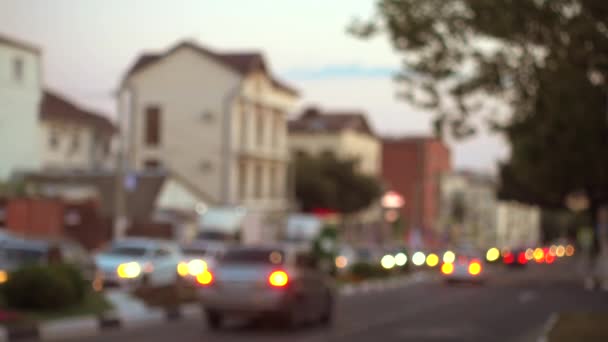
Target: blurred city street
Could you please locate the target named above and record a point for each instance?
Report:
(514, 305)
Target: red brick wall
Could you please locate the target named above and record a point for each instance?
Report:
(412, 168)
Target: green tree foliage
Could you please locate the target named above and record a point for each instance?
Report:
(327, 182)
(547, 60)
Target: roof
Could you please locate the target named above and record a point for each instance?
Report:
(313, 120)
(19, 44)
(241, 62)
(56, 107)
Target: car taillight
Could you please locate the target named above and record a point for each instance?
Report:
(447, 268)
(549, 259)
(521, 258)
(474, 268)
(206, 278)
(278, 279)
(508, 258)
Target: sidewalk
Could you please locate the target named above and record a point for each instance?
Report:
(588, 327)
(130, 312)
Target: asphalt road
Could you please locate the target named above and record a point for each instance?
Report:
(512, 306)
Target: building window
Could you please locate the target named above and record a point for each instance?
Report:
(107, 147)
(273, 182)
(153, 126)
(152, 164)
(75, 142)
(244, 123)
(260, 125)
(207, 116)
(206, 166)
(54, 139)
(258, 181)
(18, 67)
(242, 186)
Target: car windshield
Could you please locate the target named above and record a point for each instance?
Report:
(254, 256)
(21, 256)
(132, 251)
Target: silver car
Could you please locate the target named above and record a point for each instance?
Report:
(277, 282)
(134, 262)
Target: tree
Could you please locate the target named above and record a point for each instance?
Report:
(547, 60)
(327, 182)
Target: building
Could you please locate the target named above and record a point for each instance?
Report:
(41, 130)
(471, 214)
(72, 138)
(347, 135)
(412, 167)
(468, 208)
(517, 225)
(20, 96)
(215, 121)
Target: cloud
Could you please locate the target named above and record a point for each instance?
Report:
(339, 71)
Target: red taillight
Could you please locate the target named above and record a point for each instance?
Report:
(521, 258)
(278, 279)
(508, 258)
(447, 268)
(474, 268)
(206, 278)
(549, 259)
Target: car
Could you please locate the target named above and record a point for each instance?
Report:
(467, 267)
(199, 255)
(16, 252)
(137, 262)
(516, 257)
(279, 282)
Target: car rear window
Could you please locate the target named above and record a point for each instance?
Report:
(254, 256)
(130, 251)
(194, 251)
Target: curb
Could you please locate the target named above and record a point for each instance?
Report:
(376, 285)
(87, 326)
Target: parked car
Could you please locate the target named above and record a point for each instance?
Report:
(135, 262)
(16, 252)
(266, 281)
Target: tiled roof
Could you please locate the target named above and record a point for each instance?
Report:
(241, 62)
(19, 44)
(312, 120)
(55, 107)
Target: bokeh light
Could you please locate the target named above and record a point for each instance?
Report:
(493, 254)
(418, 258)
(432, 260)
(388, 262)
(449, 257)
(400, 259)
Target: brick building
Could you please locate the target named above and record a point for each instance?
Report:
(412, 166)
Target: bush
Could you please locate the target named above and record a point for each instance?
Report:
(44, 287)
(365, 270)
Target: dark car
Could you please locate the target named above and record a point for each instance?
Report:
(16, 252)
(515, 258)
(280, 282)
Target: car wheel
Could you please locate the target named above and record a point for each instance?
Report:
(214, 319)
(287, 319)
(327, 314)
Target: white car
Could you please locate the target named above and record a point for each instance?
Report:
(135, 262)
(466, 267)
(198, 256)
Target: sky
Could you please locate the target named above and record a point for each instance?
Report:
(89, 44)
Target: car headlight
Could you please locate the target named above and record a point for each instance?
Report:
(128, 270)
(196, 267)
